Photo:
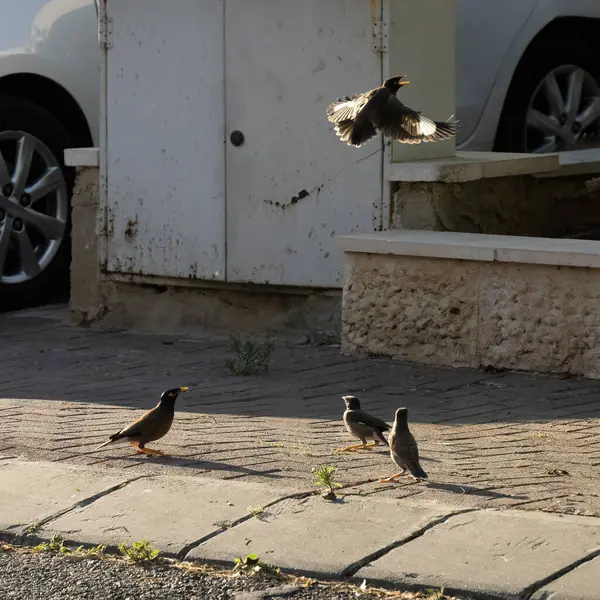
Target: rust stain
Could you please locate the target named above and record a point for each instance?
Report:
(131, 229)
(301, 195)
(294, 199)
(374, 17)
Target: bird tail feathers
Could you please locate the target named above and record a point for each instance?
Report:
(105, 444)
(417, 471)
(380, 437)
(115, 437)
(355, 132)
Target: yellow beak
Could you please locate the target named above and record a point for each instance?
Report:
(183, 389)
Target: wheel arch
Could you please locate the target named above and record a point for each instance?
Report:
(52, 97)
(559, 31)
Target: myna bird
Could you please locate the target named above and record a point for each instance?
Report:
(357, 118)
(362, 426)
(403, 448)
(151, 426)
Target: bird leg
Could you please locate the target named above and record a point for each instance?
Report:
(150, 451)
(392, 477)
(134, 444)
(355, 448)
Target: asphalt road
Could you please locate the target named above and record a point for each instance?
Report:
(50, 576)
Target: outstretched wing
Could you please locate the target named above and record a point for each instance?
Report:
(398, 122)
(347, 108)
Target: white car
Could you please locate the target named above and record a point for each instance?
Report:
(528, 80)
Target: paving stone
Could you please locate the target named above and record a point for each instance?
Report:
(315, 536)
(582, 583)
(488, 440)
(168, 512)
(489, 552)
(31, 492)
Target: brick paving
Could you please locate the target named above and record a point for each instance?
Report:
(488, 439)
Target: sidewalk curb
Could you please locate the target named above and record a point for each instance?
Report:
(168, 509)
(28, 540)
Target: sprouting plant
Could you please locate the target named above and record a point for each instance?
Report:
(326, 479)
(252, 565)
(89, 552)
(436, 594)
(138, 551)
(256, 510)
(56, 544)
(250, 357)
(33, 527)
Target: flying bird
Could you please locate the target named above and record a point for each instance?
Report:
(151, 426)
(358, 118)
(403, 448)
(362, 426)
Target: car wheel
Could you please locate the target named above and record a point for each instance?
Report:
(35, 191)
(553, 103)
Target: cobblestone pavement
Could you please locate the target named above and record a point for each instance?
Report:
(488, 439)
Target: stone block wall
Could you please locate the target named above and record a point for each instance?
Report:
(518, 205)
(467, 313)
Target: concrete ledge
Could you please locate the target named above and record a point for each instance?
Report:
(472, 166)
(471, 300)
(477, 246)
(82, 157)
(576, 162)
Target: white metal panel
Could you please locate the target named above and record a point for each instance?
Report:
(165, 126)
(292, 186)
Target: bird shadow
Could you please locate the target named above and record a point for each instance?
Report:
(427, 459)
(175, 461)
(470, 490)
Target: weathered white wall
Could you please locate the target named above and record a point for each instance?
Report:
(182, 201)
(293, 184)
(165, 126)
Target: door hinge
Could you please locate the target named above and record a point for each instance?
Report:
(105, 30)
(380, 35)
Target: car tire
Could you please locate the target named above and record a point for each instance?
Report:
(541, 59)
(52, 283)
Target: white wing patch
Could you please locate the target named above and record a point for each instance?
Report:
(426, 127)
(342, 105)
(343, 109)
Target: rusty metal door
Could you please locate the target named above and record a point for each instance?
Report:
(164, 123)
(291, 184)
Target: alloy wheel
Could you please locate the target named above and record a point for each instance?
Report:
(34, 206)
(564, 112)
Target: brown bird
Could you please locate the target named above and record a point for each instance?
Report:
(357, 118)
(362, 426)
(403, 448)
(151, 426)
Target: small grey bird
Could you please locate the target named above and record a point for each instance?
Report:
(403, 448)
(151, 426)
(362, 426)
(357, 118)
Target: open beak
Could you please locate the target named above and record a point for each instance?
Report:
(183, 389)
